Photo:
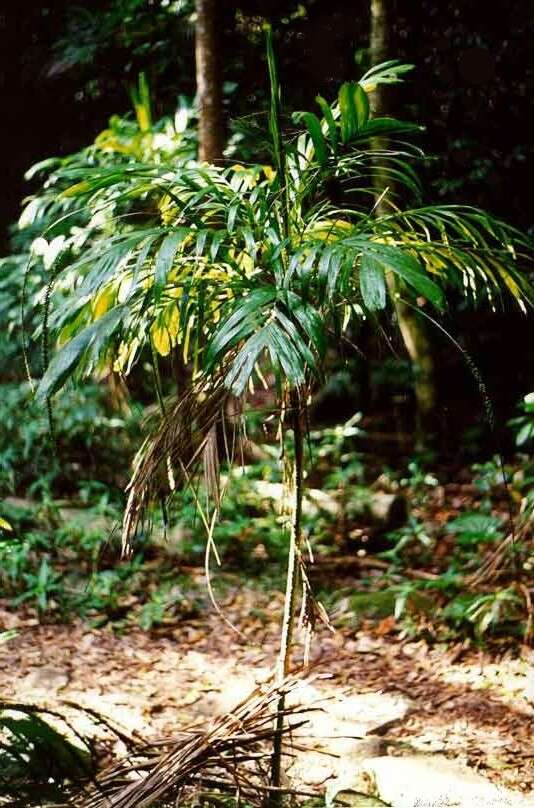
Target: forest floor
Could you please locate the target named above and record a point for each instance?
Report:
(475, 707)
(409, 683)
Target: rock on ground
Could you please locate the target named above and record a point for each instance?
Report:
(420, 782)
(339, 731)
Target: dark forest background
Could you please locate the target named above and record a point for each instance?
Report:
(66, 67)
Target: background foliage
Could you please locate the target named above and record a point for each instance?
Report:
(88, 64)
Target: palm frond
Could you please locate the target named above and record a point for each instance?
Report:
(181, 444)
(242, 267)
(275, 322)
(232, 755)
(464, 245)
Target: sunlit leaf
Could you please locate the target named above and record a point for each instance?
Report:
(165, 258)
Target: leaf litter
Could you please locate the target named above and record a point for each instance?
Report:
(472, 706)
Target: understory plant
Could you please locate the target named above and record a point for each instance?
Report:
(523, 425)
(249, 276)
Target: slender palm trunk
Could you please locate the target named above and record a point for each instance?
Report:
(208, 75)
(288, 623)
(412, 327)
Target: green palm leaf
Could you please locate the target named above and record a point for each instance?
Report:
(90, 340)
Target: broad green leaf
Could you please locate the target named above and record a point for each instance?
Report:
(232, 214)
(525, 434)
(408, 268)
(329, 267)
(140, 262)
(69, 357)
(246, 316)
(292, 339)
(218, 239)
(64, 363)
(285, 344)
(386, 126)
(165, 258)
(40, 742)
(476, 525)
(250, 242)
(372, 283)
(313, 125)
(389, 72)
(324, 264)
(361, 103)
(201, 240)
(354, 109)
(284, 352)
(347, 108)
(326, 109)
(242, 366)
(274, 110)
(309, 320)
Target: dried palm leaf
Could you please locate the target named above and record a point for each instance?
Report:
(502, 558)
(184, 440)
(232, 754)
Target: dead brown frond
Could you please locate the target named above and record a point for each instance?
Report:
(501, 561)
(184, 440)
(232, 755)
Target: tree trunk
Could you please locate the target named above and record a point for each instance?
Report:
(412, 327)
(209, 86)
(415, 335)
(288, 624)
(379, 44)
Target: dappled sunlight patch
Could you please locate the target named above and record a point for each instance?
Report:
(510, 680)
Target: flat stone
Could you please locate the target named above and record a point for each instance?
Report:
(20, 503)
(423, 782)
(336, 736)
(87, 519)
(171, 541)
(333, 756)
(47, 678)
(356, 800)
(369, 712)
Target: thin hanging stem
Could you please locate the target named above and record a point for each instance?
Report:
(288, 623)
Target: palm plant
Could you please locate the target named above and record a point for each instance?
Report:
(55, 230)
(250, 271)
